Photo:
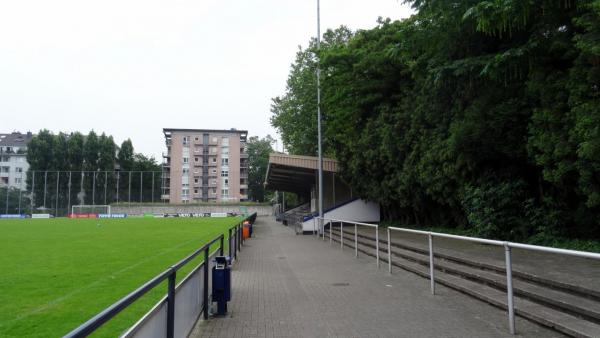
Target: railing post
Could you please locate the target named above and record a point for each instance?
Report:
(509, 288)
(389, 242)
(171, 305)
(322, 225)
(239, 235)
(235, 245)
(222, 245)
(342, 235)
(355, 240)
(377, 243)
(205, 295)
(431, 266)
(229, 243)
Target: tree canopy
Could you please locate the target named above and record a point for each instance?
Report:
(478, 114)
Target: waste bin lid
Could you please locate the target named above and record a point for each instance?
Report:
(222, 260)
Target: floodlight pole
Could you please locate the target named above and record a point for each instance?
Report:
(69, 195)
(319, 110)
(32, 190)
(45, 187)
(57, 187)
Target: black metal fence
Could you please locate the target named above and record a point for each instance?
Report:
(236, 241)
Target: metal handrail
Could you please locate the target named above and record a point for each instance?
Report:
(322, 221)
(98, 320)
(507, 259)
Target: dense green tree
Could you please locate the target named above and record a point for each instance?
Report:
(479, 114)
(258, 160)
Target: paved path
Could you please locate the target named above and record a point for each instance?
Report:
(285, 285)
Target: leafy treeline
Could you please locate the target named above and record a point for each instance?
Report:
(478, 114)
(96, 161)
(258, 161)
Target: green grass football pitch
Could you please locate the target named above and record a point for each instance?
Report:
(57, 273)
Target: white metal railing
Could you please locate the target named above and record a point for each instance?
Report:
(321, 229)
(430, 235)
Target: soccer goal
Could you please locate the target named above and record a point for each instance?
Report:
(90, 209)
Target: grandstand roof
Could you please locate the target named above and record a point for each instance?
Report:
(295, 173)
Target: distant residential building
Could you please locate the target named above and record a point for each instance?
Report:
(13, 159)
(205, 165)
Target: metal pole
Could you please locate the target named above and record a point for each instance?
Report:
(153, 187)
(141, 185)
(105, 185)
(82, 201)
(431, 266)
(330, 232)
(32, 191)
(355, 240)
(320, 145)
(229, 243)
(222, 245)
(509, 289)
(130, 189)
(171, 306)
(118, 183)
(342, 235)
(377, 243)
(20, 192)
(7, 193)
(94, 189)
(69, 195)
(389, 242)
(57, 187)
(205, 296)
(45, 187)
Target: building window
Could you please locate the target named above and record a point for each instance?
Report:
(224, 150)
(196, 159)
(186, 140)
(214, 190)
(214, 171)
(185, 192)
(5, 169)
(224, 161)
(213, 150)
(196, 180)
(186, 171)
(226, 182)
(196, 191)
(18, 170)
(224, 173)
(17, 180)
(196, 138)
(186, 160)
(224, 192)
(214, 160)
(4, 159)
(225, 141)
(215, 140)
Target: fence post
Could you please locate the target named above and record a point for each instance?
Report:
(377, 243)
(171, 305)
(222, 243)
(229, 243)
(509, 288)
(342, 235)
(205, 296)
(389, 242)
(330, 232)
(355, 240)
(431, 267)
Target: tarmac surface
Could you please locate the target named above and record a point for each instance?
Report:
(287, 285)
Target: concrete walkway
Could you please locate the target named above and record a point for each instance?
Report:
(287, 285)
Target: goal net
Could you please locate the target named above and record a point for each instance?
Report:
(90, 209)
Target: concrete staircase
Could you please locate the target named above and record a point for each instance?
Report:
(567, 308)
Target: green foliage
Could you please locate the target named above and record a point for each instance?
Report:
(258, 161)
(476, 114)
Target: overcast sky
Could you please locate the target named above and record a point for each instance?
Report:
(131, 67)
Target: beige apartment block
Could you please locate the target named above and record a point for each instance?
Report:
(205, 165)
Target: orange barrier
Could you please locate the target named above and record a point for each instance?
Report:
(246, 231)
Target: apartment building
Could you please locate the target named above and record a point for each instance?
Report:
(13, 159)
(205, 165)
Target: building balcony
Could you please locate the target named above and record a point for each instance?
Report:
(243, 155)
(243, 186)
(166, 154)
(243, 197)
(165, 197)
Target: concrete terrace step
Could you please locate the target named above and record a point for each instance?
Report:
(486, 286)
(567, 302)
(526, 276)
